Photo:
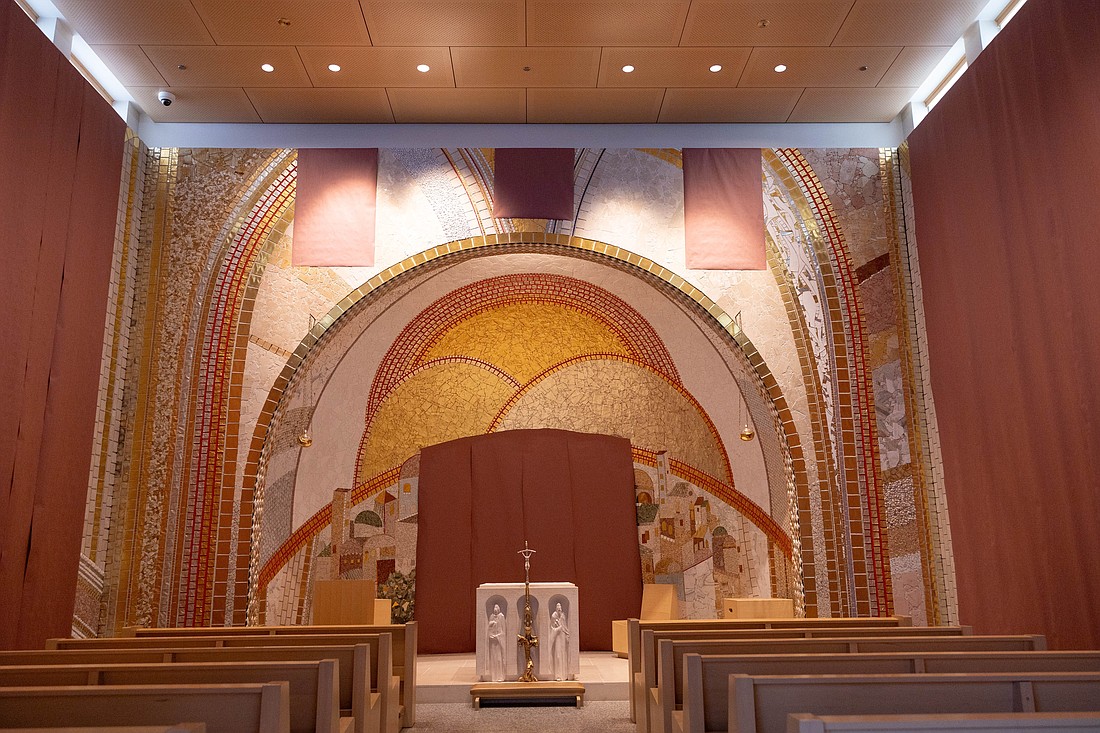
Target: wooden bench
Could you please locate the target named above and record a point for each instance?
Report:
(762, 704)
(312, 686)
(668, 696)
(403, 635)
(945, 723)
(634, 636)
(178, 728)
(393, 714)
(238, 708)
(646, 678)
(357, 667)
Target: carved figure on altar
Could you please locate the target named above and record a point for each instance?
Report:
(496, 630)
(559, 644)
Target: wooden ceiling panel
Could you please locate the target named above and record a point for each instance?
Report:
(284, 22)
(445, 22)
(130, 65)
(672, 67)
(350, 106)
(777, 23)
(851, 105)
(546, 67)
(605, 22)
(460, 106)
(228, 66)
(728, 105)
(818, 67)
(619, 106)
(377, 67)
(135, 22)
(913, 65)
(907, 22)
(197, 105)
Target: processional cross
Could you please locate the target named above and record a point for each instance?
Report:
(527, 639)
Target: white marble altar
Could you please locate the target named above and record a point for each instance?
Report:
(499, 616)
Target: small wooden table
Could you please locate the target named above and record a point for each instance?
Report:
(532, 691)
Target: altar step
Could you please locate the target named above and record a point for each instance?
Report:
(449, 677)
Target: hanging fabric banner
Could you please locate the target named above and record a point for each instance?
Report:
(723, 209)
(533, 183)
(334, 208)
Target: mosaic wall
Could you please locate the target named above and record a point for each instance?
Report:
(217, 366)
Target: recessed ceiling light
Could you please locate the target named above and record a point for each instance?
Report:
(267, 67)
(423, 68)
(716, 68)
(781, 68)
(763, 23)
(628, 68)
(334, 67)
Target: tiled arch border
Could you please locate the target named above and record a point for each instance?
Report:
(526, 242)
(871, 591)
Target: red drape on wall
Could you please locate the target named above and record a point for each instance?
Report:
(1006, 173)
(723, 209)
(533, 183)
(61, 150)
(570, 495)
(335, 204)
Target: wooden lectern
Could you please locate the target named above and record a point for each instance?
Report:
(347, 602)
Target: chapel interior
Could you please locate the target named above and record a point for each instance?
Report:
(326, 317)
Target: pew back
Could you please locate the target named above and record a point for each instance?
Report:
(762, 704)
(178, 728)
(237, 708)
(634, 637)
(403, 645)
(943, 723)
(312, 686)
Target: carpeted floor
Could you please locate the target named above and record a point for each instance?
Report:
(594, 717)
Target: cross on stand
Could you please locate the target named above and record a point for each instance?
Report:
(527, 639)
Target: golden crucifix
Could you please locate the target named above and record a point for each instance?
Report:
(527, 639)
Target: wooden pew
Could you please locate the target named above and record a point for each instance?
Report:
(634, 636)
(762, 704)
(945, 723)
(669, 695)
(179, 728)
(238, 708)
(313, 687)
(355, 663)
(390, 693)
(646, 678)
(403, 635)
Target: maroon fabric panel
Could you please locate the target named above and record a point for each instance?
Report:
(1006, 169)
(570, 495)
(533, 183)
(723, 209)
(604, 533)
(30, 135)
(443, 564)
(334, 207)
(62, 150)
(69, 422)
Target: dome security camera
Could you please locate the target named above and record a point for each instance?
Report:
(166, 97)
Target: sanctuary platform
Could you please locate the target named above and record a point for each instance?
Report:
(449, 677)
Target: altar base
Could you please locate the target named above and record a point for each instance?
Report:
(528, 693)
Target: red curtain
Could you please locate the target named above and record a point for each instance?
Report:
(723, 209)
(533, 183)
(335, 204)
(570, 495)
(61, 147)
(1006, 172)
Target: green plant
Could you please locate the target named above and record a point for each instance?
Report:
(400, 589)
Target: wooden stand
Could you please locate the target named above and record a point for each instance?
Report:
(533, 692)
